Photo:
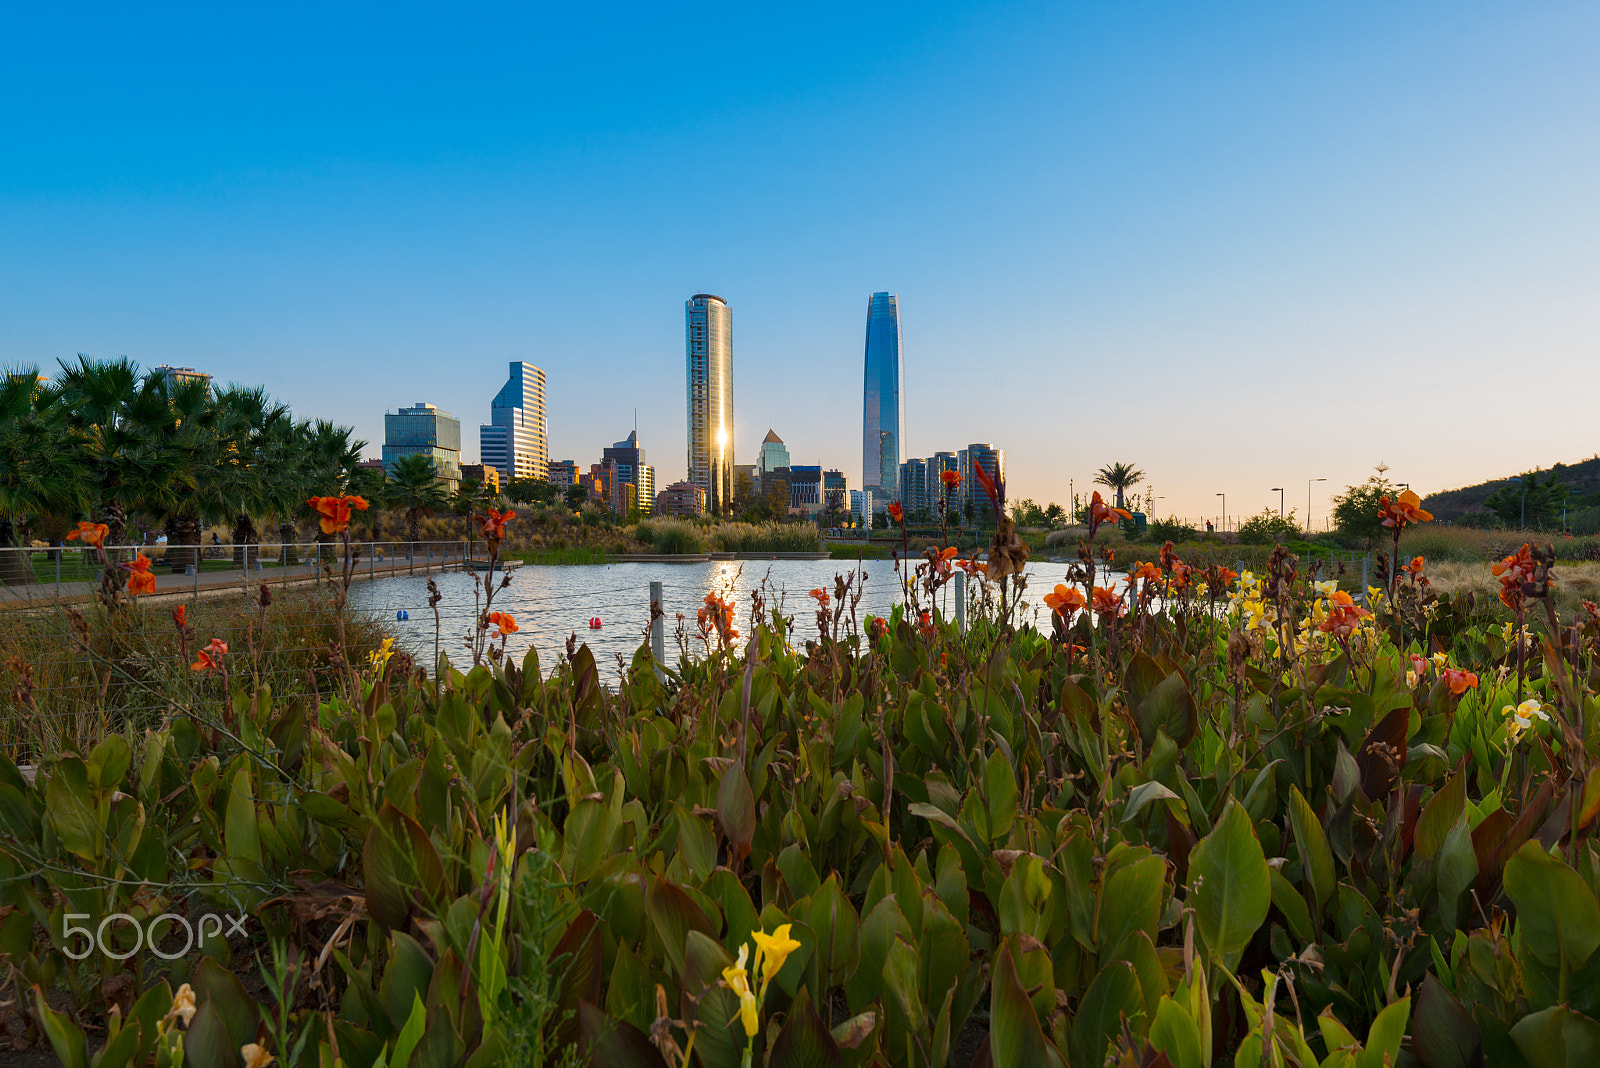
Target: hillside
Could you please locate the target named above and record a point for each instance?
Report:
(1582, 480)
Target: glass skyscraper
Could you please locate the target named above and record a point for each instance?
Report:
(884, 417)
(708, 346)
(426, 429)
(632, 469)
(515, 441)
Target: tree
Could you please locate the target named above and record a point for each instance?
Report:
(1054, 514)
(1529, 502)
(1025, 513)
(468, 490)
(1268, 528)
(115, 416)
(577, 496)
(39, 471)
(533, 491)
(1119, 477)
(413, 487)
(1355, 511)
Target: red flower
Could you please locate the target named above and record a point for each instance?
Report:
(504, 621)
(1414, 568)
(1225, 576)
(335, 511)
(140, 580)
(180, 618)
(925, 623)
(1168, 557)
(821, 597)
(1100, 511)
(494, 523)
(90, 533)
(1344, 615)
(897, 513)
(210, 658)
(1513, 571)
(1459, 681)
(717, 616)
(951, 479)
(877, 627)
(1143, 572)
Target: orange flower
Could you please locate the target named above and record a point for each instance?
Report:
(1065, 599)
(1459, 681)
(210, 658)
(1100, 511)
(1225, 576)
(1182, 575)
(494, 523)
(897, 513)
(1414, 568)
(90, 533)
(180, 618)
(1343, 615)
(335, 511)
(1168, 557)
(1407, 508)
(1513, 571)
(821, 597)
(1143, 572)
(925, 621)
(140, 580)
(951, 479)
(717, 615)
(504, 621)
(877, 627)
(1107, 602)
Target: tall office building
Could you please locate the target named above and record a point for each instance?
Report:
(632, 469)
(993, 461)
(708, 347)
(426, 429)
(884, 416)
(515, 440)
(774, 453)
(914, 488)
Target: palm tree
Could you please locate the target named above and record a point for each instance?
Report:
(116, 416)
(39, 471)
(413, 485)
(1119, 477)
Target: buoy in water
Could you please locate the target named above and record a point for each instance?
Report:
(594, 624)
(402, 614)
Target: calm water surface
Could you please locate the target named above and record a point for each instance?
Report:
(553, 603)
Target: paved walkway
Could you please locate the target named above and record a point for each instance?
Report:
(215, 583)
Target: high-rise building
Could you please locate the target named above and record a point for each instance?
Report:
(972, 492)
(426, 429)
(608, 487)
(861, 507)
(708, 348)
(938, 464)
(564, 473)
(178, 375)
(681, 498)
(835, 490)
(914, 487)
(884, 416)
(515, 440)
(805, 487)
(632, 469)
(774, 453)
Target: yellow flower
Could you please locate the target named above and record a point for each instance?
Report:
(1374, 596)
(738, 980)
(1325, 589)
(183, 1004)
(774, 950)
(254, 1056)
(380, 656)
(1520, 717)
(1440, 661)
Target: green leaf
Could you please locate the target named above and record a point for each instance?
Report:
(1457, 868)
(65, 1038)
(900, 970)
(1015, 1038)
(1289, 902)
(398, 860)
(1557, 1037)
(1026, 905)
(1169, 708)
(1558, 918)
(243, 839)
(614, 1043)
(1230, 885)
(1443, 1033)
(1000, 786)
(407, 976)
(736, 811)
(804, 1041)
(1142, 795)
(410, 1034)
(1131, 901)
(696, 843)
(108, 762)
(674, 914)
(1383, 1039)
(1439, 815)
(1114, 994)
(833, 919)
(1316, 860)
(71, 809)
(1174, 1033)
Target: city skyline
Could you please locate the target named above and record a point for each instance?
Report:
(1198, 241)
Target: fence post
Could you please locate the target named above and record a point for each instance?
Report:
(58, 574)
(372, 558)
(961, 602)
(658, 625)
(1366, 567)
(199, 556)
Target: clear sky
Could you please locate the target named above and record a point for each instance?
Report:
(1239, 244)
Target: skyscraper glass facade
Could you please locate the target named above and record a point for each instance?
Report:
(993, 461)
(774, 454)
(428, 430)
(884, 414)
(632, 469)
(708, 346)
(515, 441)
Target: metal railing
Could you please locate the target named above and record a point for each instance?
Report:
(73, 570)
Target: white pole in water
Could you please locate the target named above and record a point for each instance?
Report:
(658, 625)
(961, 601)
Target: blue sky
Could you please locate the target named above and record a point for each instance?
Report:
(1241, 245)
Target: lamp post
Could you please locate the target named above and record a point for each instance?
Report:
(1308, 501)
(1224, 497)
(1279, 491)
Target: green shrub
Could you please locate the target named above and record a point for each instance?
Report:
(1268, 528)
(1172, 529)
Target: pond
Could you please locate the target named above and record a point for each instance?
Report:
(551, 603)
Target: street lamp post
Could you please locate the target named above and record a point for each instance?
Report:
(1308, 501)
(1224, 497)
(1279, 491)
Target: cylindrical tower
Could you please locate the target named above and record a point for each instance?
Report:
(709, 364)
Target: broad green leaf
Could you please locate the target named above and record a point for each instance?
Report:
(1174, 1033)
(736, 811)
(1557, 1037)
(1142, 795)
(1131, 901)
(65, 1037)
(1026, 904)
(406, 1042)
(696, 843)
(72, 810)
(1383, 1039)
(804, 1041)
(1557, 915)
(108, 762)
(1316, 860)
(1114, 994)
(1443, 1033)
(1230, 886)
(1000, 786)
(1289, 902)
(243, 838)
(838, 931)
(1015, 1038)
(1439, 816)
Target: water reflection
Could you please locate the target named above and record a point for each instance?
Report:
(553, 603)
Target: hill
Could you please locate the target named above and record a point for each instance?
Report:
(1468, 504)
